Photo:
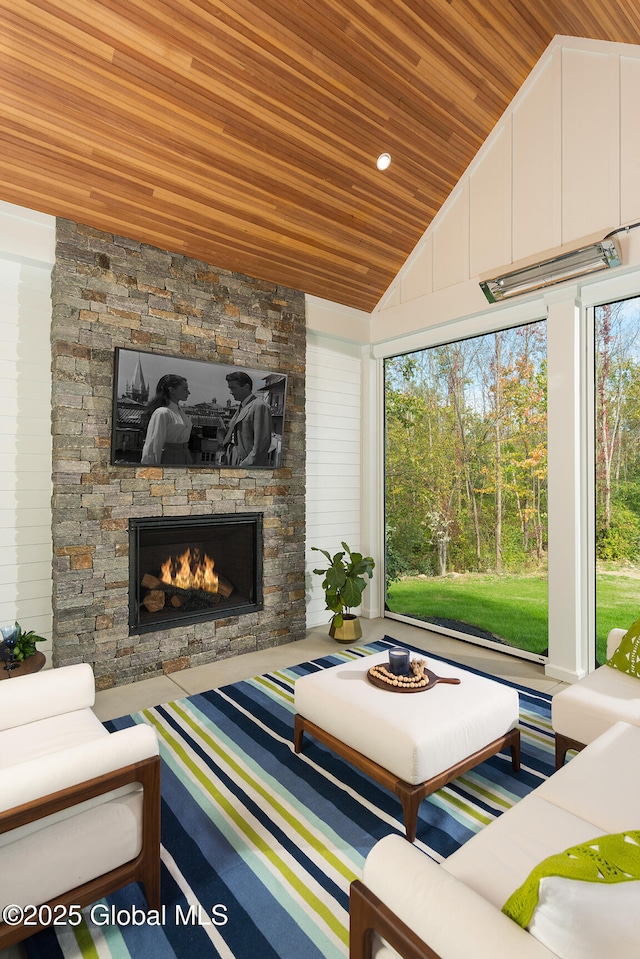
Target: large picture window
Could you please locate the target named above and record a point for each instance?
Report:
(617, 467)
(466, 488)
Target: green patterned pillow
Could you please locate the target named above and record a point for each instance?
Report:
(613, 858)
(627, 656)
(583, 903)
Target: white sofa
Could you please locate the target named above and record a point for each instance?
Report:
(584, 710)
(408, 905)
(79, 807)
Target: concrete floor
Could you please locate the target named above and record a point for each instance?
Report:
(122, 700)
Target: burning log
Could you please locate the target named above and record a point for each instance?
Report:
(154, 600)
(151, 582)
(189, 595)
(225, 588)
(188, 581)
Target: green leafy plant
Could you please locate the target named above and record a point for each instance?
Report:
(344, 580)
(26, 644)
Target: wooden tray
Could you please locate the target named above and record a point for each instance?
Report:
(433, 679)
(30, 665)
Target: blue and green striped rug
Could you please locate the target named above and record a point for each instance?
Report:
(260, 845)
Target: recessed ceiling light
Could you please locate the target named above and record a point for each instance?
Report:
(383, 161)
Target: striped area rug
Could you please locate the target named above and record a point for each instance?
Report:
(259, 845)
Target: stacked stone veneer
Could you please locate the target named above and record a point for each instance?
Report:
(110, 292)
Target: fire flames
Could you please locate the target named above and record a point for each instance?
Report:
(190, 571)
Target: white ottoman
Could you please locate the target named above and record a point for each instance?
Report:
(412, 743)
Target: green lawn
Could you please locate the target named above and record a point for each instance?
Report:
(617, 604)
(513, 608)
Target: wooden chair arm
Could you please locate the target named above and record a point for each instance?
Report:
(145, 868)
(144, 772)
(369, 914)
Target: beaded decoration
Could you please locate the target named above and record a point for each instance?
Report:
(416, 680)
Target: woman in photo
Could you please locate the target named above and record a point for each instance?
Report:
(169, 429)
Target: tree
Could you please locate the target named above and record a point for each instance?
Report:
(610, 381)
(525, 395)
(466, 453)
(617, 433)
(454, 358)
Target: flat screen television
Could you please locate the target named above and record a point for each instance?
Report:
(172, 411)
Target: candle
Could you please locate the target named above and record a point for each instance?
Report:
(399, 661)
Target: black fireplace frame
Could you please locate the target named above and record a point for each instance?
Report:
(139, 525)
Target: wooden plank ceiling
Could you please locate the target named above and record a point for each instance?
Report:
(245, 133)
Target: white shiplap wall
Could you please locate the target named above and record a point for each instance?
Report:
(334, 435)
(26, 256)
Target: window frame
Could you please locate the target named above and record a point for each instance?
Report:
(566, 308)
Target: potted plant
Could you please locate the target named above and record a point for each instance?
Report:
(18, 645)
(344, 583)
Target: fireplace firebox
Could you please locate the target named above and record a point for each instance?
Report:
(188, 569)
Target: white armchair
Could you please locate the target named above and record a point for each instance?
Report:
(582, 712)
(79, 807)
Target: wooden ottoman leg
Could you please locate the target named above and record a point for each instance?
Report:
(514, 746)
(298, 731)
(561, 750)
(410, 797)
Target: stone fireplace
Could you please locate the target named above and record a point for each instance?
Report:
(109, 292)
(191, 569)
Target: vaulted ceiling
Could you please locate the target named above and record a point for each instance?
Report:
(245, 133)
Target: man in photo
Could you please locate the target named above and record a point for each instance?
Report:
(248, 436)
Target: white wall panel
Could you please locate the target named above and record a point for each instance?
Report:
(334, 474)
(417, 276)
(27, 236)
(537, 165)
(342, 416)
(451, 242)
(26, 256)
(590, 143)
(335, 320)
(490, 206)
(629, 140)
